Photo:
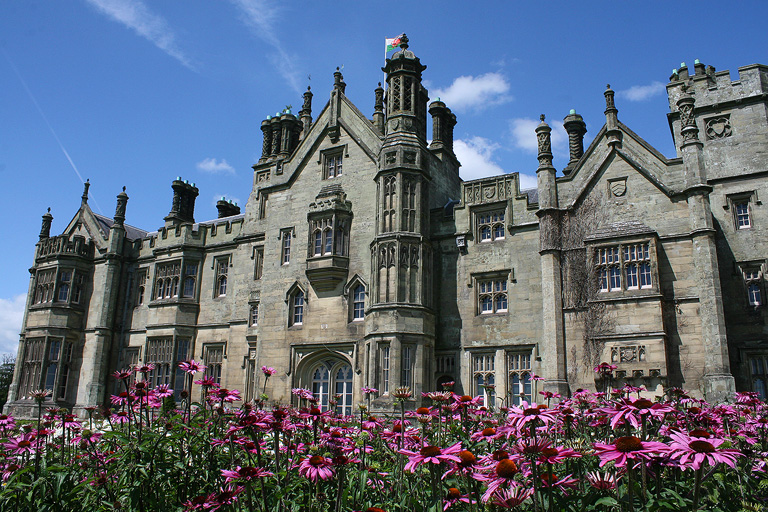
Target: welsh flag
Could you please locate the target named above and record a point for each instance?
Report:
(393, 43)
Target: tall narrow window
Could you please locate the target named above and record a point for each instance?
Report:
(758, 368)
(406, 372)
(318, 239)
(222, 275)
(167, 280)
(250, 376)
(78, 283)
(258, 263)
(141, 286)
(44, 286)
(65, 282)
(63, 380)
(182, 354)
(343, 382)
(333, 165)
(286, 252)
(297, 308)
(388, 209)
(752, 280)
(253, 320)
(409, 204)
(328, 241)
(624, 267)
(159, 353)
(384, 370)
(484, 376)
(321, 382)
(519, 377)
(54, 352)
(741, 215)
(213, 358)
(358, 303)
(190, 279)
(32, 366)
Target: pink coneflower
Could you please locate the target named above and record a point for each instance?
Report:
(121, 399)
(162, 391)
(372, 423)
(120, 417)
(9, 469)
(691, 452)
(123, 374)
(315, 467)
(192, 367)
(633, 411)
(602, 481)
(27, 443)
(145, 368)
(402, 393)
(557, 455)
(438, 396)
(245, 473)
(512, 497)
(605, 368)
(7, 421)
(69, 421)
(627, 448)
(431, 454)
(207, 382)
(527, 413)
(551, 480)
(504, 472)
(303, 393)
(224, 497)
(268, 371)
(454, 496)
(368, 391)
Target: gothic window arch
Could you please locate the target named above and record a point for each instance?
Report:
(330, 378)
(296, 299)
(389, 195)
(356, 292)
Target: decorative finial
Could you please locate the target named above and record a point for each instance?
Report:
(123, 188)
(404, 42)
(84, 197)
(542, 116)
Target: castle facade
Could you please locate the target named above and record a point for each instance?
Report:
(362, 259)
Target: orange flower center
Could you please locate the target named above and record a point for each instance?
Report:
(700, 433)
(628, 444)
(397, 429)
(549, 452)
(24, 444)
(702, 446)
(506, 468)
(490, 431)
(465, 398)
(532, 411)
(467, 457)
(430, 451)
(500, 455)
(422, 410)
(316, 460)
(454, 493)
(643, 403)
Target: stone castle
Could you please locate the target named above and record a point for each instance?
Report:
(362, 259)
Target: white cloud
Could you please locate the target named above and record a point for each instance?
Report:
(152, 27)
(524, 136)
(476, 157)
(11, 315)
(211, 166)
(261, 17)
(475, 92)
(643, 92)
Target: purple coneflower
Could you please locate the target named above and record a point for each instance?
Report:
(192, 367)
(431, 454)
(245, 473)
(27, 443)
(691, 452)
(512, 497)
(627, 448)
(315, 467)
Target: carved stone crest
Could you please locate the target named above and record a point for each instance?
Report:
(718, 127)
(618, 187)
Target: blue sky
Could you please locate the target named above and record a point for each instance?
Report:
(134, 93)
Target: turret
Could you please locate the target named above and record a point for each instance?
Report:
(406, 97)
(84, 197)
(183, 207)
(122, 202)
(611, 118)
(378, 109)
(305, 114)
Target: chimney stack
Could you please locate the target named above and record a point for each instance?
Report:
(183, 208)
(45, 230)
(576, 128)
(443, 121)
(227, 208)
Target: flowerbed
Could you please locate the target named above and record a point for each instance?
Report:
(593, 451)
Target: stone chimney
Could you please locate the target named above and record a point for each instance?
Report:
(611, 118)
(183, 208)
(227, 208)
(45, 230)
(576, 128)
(443, 121)
(338, 81)
(84, 197)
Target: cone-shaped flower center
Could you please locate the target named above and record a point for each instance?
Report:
(500, 455)
(702, 446)
(316, 460)
(24, 444)
(549, 452)
(467, 457)
(490, 431)
(643, 403)
(454, 493)
(506, 468)
(700, 433)
(422, 410)
(430, 451)
(532, 411)
(465, 398)
(628, 444)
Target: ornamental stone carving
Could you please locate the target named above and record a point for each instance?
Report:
(718, 127)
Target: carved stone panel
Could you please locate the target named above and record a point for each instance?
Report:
(718, 127)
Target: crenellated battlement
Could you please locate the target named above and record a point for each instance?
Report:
(713, 88)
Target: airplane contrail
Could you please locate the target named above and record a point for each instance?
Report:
(53, 132)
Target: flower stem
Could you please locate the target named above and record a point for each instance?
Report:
(697, 488)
